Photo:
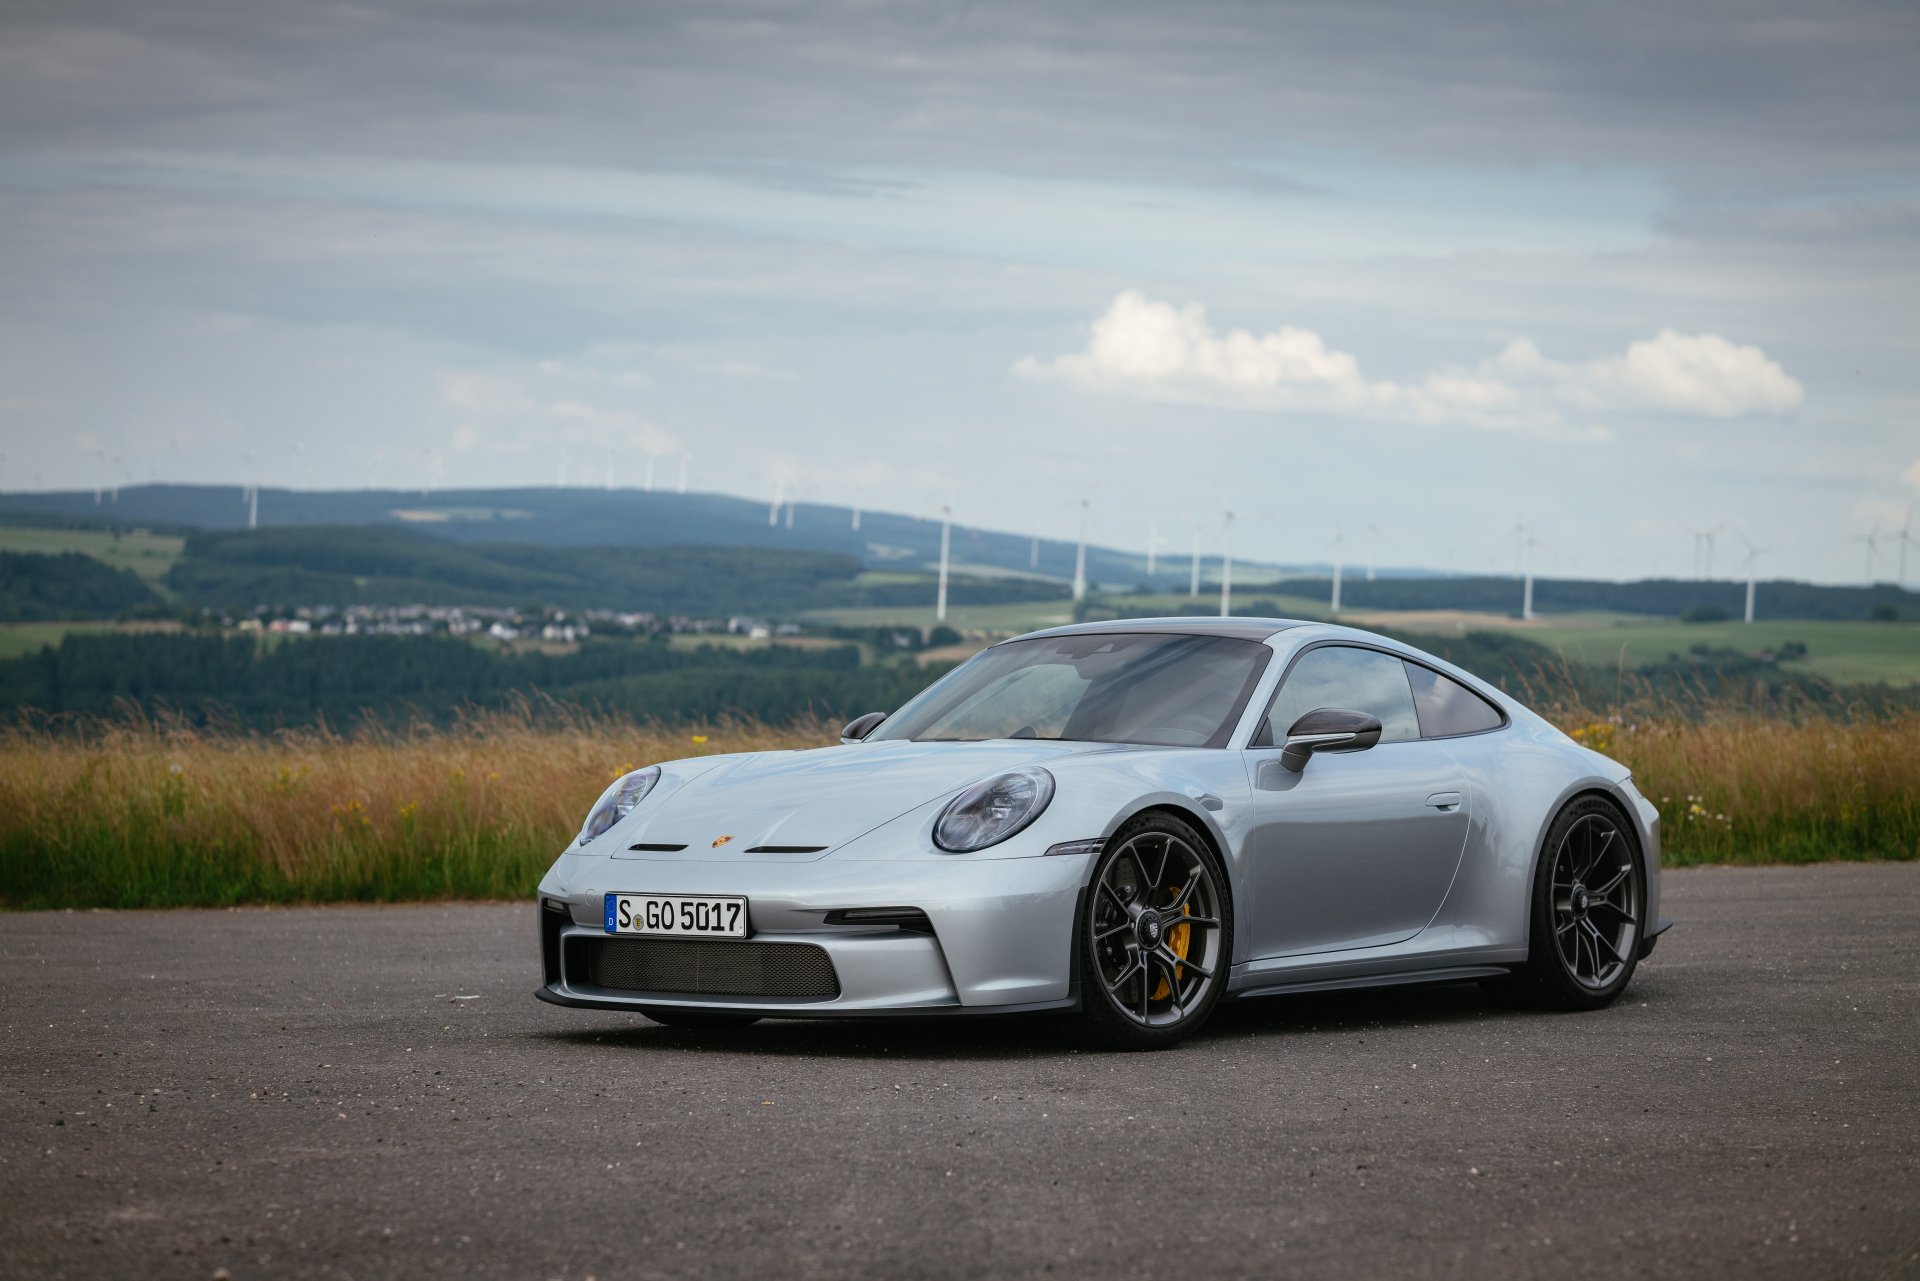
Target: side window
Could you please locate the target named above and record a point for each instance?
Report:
(1361, 680)
(1447, 707)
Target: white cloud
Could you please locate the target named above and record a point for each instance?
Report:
(1702, 375)
(1911, 476)
(1162, 352)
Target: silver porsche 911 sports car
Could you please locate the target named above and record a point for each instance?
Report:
(1129, 820)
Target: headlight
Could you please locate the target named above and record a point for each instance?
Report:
(618, 801)
(991, 811)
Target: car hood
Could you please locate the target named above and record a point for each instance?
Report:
(813, 801)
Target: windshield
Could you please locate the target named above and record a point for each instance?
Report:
(1157, 689)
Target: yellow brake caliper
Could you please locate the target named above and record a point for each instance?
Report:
(1177, 940)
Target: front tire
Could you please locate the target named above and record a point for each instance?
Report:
(1156, 936)
(1589, 901)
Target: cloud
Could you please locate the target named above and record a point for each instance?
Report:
(1911, 476)
(1701, 375)
(1158, 351)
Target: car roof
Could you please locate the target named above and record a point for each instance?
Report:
(1253, 629)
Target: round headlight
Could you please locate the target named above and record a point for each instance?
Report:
(991, 811)
(618, 801)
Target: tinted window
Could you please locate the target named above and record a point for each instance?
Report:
(1359, 680)
(1447, 707)
(1168, 690)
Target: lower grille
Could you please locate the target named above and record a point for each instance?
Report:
(702, 967)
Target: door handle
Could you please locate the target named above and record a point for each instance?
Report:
(1445, 802)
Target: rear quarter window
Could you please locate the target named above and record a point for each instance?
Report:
(1447, 708)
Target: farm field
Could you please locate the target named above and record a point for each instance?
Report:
(17, 639)
(999, 620)
(1842, 652)
(148, 555)
(1845, 653)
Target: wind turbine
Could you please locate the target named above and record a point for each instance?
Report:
(1873, 548)
(1527, 544)
(1226, 565)
(1703, 550)
(1033, 549)
(682, 488)
(1153, 544)
(1373, 545)
(1080, 556)
(1339, 541)
(779, 496)
(1904, 536)
(646, 477)
(946, 533)
(1193, 573)
(1753, 554)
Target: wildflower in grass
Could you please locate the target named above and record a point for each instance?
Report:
(699, 740)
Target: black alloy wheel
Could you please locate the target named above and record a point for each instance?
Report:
(1589, 905)
(1156, 938)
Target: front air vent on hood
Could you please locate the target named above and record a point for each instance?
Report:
(786, 849)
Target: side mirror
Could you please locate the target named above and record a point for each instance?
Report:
(861, 726)
(1328, 729)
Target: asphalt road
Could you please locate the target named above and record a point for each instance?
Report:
(369, 1092)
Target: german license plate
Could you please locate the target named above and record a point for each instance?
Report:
(685, 915)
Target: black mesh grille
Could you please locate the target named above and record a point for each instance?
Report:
(703, 967)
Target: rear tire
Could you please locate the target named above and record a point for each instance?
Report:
(1588, 912)
(1155, 937)
(698, 1020)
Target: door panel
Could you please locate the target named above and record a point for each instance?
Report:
(1357, 850)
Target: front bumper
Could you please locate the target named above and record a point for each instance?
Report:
(1000, 937)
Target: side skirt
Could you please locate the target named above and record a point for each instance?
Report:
(1456, 974)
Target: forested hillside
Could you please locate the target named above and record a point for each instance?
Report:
(1665, 597)
(66, 586)
(340, 679)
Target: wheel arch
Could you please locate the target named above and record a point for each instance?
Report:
(1208, 833)
(1598, 790)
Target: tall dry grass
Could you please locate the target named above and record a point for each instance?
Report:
(137, 813)
(1738, 787)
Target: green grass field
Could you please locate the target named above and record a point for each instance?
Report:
(148, 555)
(1844, 653)
(27, 638)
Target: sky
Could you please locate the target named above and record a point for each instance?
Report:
(1380, 281)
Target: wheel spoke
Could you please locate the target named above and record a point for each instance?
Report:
(1121, 979)
(1107, 888)
(1618, 911)
(1110, 931)
(1601, 891)
(1168, 958)
(1166, 854)
(1172, 981)
(1599, 940)
(1599, 853)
